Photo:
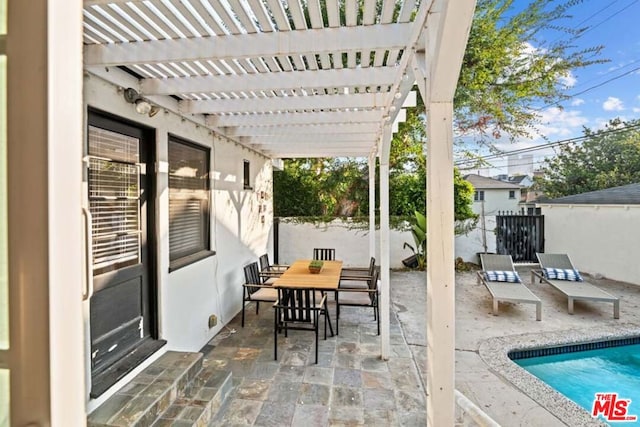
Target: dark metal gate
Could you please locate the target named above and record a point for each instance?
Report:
(520, 236)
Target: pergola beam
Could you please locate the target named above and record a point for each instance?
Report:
(293, 153)
(257, 45)
(286, 103)
(281, 119)
(294, 80)
(323, 139)
(311, 129)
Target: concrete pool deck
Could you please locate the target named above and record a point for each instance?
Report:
(483, 372)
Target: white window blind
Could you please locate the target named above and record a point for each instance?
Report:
(114, 199)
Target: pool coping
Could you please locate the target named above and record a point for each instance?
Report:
(494, 352)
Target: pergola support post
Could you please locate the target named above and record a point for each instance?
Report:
(436, 70)
(440, 267)
(372, 204)
(384, 302)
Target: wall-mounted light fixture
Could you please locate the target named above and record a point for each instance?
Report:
(142, 105)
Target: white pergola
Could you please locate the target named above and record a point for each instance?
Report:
(289, 78)
(308, 78)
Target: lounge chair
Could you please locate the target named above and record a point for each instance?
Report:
(504, 284)
(558, 271)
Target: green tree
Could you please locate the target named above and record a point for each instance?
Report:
(509, 68)
(607, 158)
(321, 187)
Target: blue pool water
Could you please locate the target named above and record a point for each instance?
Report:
(580, 375)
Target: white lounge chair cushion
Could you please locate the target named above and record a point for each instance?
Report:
(562, 274)
(503, 276)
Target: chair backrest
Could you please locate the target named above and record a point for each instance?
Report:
(324, 254)
(372, 266)
(496, 262)
(264, 262)
(252, 276)
(373, 284)
(296, 304)
(555, 261)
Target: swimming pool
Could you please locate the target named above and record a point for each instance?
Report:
(579, 374)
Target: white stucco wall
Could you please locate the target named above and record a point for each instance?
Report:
(188, 296)
(470, 244)
(496, 200)
(599, 239)
(297, 240)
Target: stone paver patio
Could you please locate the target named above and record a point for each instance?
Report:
(351, 385)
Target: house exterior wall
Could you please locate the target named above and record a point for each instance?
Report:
(496, 200)
(297, 240)
(599, 239)
(239, 233)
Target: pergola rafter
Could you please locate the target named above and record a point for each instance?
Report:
(257, 45)
(307, 81)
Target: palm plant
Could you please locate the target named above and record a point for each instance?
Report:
(419, 233)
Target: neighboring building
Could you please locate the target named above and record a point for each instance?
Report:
(520, 164)
(492, 195)
(599, 230)
(528, 197)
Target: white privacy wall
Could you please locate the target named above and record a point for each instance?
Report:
(240, 224)
(600, 239)
(351, 242)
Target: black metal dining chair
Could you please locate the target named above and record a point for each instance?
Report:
(269, 272)
(324, 254)
(254, 290)
(299, 309)
(367, 297)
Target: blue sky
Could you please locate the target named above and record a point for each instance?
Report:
(615, 25)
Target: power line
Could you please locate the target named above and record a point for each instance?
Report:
(609, 17)
(547, 145)
(595, 14)
(589, 88)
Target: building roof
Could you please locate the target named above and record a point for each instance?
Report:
(517, 179)
(485, 183)
(623, 195)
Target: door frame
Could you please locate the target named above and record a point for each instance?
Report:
(119, 124)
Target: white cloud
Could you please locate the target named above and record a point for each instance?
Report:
(577, 101)
(613, 104)
(568, 80)
(636, 110)
(558, 122)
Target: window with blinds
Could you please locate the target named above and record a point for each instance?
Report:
(114, 199)
(188, 200)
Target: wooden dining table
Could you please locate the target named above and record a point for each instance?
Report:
(298, 276)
